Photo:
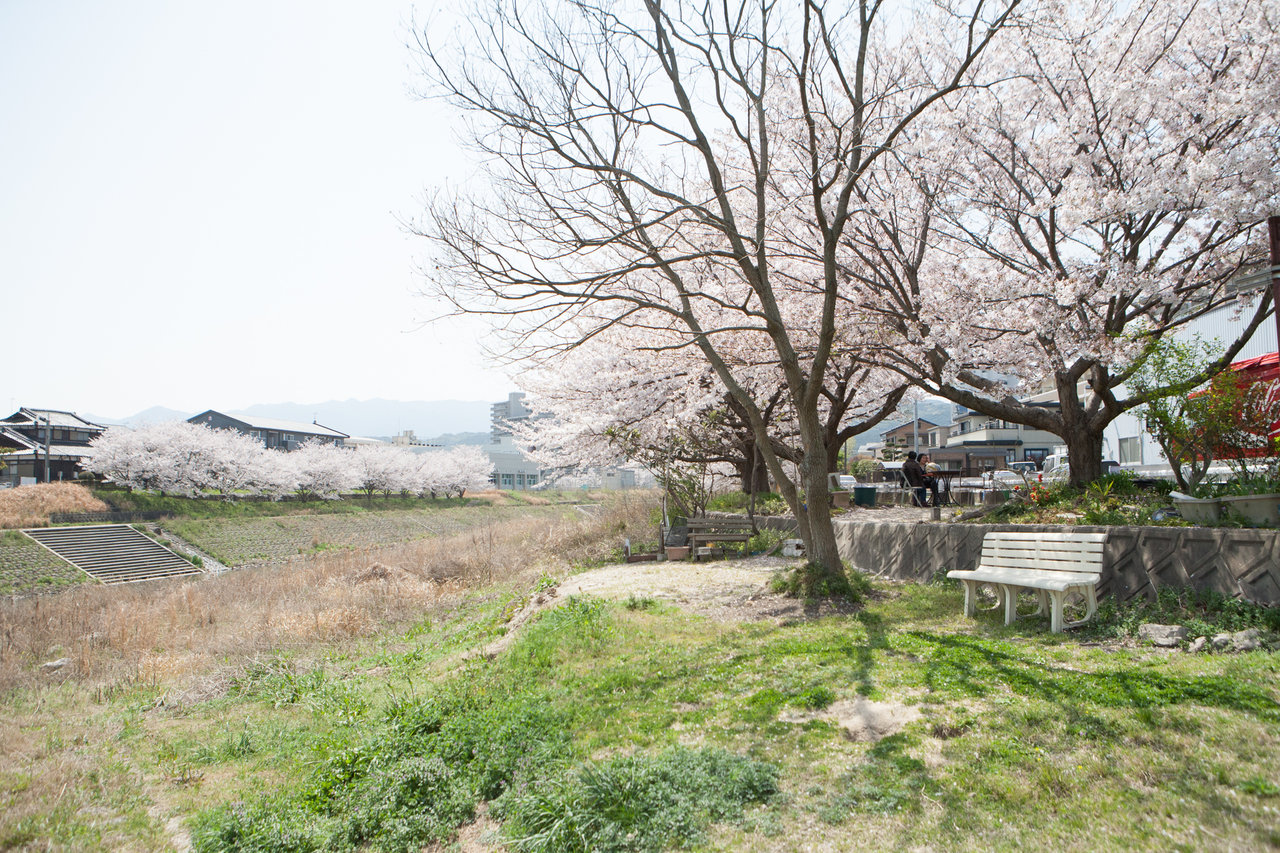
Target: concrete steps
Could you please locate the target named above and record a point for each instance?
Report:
(112, 553)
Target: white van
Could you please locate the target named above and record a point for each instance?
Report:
(1057, 467)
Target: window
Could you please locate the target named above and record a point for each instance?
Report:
(506, 480)
(1131, 450)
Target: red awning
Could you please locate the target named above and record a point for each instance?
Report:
(1266, 366)
(1262, 368)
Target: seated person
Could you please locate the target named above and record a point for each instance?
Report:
(913, 473)
(931, 471)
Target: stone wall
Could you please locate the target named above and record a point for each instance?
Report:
(1138, 561)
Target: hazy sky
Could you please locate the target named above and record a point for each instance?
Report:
(199, 207)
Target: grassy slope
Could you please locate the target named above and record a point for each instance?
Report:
(240, 532)
(1028, 741)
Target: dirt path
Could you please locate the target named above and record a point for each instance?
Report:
(724, 590)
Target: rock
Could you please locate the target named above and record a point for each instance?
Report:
(1221, 641)
(1167, 636)
(54, 665)
(1198, 644)
(1247, 641)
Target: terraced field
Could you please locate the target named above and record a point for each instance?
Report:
(27, 567)
(253, 541)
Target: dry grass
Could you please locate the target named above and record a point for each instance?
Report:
(31, 506)
(177, 633)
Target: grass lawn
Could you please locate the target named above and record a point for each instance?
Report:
(634, 726)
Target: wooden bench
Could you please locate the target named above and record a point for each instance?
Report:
(707, 532)
(1052, 564)
(837, 495)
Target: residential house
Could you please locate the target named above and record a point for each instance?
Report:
(45, 445)
(920, 435)
(980, 442)
(274, 433)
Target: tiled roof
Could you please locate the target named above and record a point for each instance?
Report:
(56, 451)
(26, 416)
(279, 425)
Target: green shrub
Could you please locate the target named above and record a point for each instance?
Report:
(765, 540)
(640, 802)
(414, 775)
(1203, 612)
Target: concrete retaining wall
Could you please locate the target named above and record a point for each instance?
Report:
(1138, 561)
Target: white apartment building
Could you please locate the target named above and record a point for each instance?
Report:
(511, 468)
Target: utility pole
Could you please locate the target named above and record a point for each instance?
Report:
(915, 426)
(48, 442)
(1273, 234)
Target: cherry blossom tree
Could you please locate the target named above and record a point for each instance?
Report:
(322, 469)
(189, 459)
(607, 401)
(1043, 233)
(383, 468)
(458, 470)
(645, 173)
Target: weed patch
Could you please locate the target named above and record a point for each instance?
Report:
(1202, 612)
(811, 580)
(641, 802)
(416, 774)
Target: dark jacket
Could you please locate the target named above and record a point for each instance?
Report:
(913, 474)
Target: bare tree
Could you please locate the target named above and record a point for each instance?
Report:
(653, 165)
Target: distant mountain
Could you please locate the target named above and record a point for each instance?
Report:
(451, 421)
(385, 417)
(935, 411)
(453, 439)
(153, 415)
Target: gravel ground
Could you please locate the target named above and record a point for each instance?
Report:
(724, 590)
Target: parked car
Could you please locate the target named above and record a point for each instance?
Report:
(1002, 478)
(847, 481)
(1057, 467)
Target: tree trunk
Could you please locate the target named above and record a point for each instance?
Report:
(753, 474)
(820, 545)
(815, 527)
(1084, 455)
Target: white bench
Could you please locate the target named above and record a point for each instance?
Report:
(1052, 564)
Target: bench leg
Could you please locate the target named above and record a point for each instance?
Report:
(1055, 618)
(971, 596)
(1091, 606)
(1010, 594)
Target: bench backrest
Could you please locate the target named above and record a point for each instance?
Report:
(1051, 552)
(719, 524)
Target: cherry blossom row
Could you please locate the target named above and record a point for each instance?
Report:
(192, 459)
